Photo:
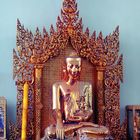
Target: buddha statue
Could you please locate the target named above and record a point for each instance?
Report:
(72, 102)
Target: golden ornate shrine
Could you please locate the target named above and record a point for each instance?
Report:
(38, 61)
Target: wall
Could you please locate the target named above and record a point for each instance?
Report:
(98, 15)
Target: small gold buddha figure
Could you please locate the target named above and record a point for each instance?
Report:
(72, 102)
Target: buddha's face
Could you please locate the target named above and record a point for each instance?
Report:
(73, 67)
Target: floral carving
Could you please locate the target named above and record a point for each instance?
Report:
(33, 50)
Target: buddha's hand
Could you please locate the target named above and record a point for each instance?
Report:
(89, 124)
(60, 131)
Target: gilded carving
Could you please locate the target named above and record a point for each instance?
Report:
(38, 104)
(101, 51)
(112, 98)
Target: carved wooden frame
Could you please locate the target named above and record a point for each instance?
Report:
(103, 52)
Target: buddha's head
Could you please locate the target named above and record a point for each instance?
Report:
(73, 65)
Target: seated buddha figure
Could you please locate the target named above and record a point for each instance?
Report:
(72, 102)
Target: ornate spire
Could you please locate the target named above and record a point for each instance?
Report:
(69, 15)
(69, 12)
